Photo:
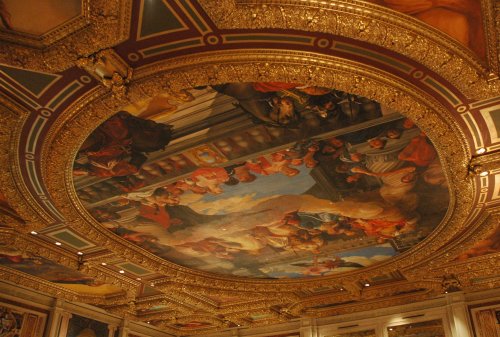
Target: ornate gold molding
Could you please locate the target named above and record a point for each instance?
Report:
(477, 273)
(491, 16)
(49, 38)
(485, 163)
(108, 68)
(389, 290)
(12, 117)
(165, 315)
(105, 24)
(86, 114)
(359, 21)
(25, 280)
(173, 75)
(369, 305)
(483, 224)
(368, 23)
(474, 273)
(34, 246)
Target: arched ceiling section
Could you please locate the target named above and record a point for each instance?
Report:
(56, 88)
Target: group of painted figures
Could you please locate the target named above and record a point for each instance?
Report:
(9, 324)
(373, 171)
(310, 230)
(119, 147)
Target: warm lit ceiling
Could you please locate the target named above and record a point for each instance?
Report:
(247, 217)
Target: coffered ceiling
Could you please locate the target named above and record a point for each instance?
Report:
(203, 165)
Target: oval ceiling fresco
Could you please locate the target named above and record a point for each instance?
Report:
(263, 180)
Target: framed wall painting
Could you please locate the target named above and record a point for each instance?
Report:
(19, 321)
(80, 326)
(486, 319)
(432, 328)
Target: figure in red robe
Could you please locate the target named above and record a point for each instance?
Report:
(419, 151)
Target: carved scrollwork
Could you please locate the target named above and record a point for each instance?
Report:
(373, 24)
(108, 68)
(103, 24)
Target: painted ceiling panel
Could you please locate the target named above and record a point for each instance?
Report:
(265, 203)
(34, 82)
(461, 19)
(158, 17)
(37, 17)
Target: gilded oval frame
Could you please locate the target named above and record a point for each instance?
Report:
(246, 66)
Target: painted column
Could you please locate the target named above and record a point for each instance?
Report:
(308, 328)
(58, 320)
(65, 317)
(381, 330)
(457, 312)
(112, 329)
(124, 329)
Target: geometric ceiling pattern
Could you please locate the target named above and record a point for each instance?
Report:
(170, 59)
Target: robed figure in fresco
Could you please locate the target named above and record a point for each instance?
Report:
(119, 146)
(299, 106)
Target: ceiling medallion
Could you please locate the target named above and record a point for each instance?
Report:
(163, 86)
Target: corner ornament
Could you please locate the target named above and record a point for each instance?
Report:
(109, 69)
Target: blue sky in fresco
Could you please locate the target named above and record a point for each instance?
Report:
(266, 186)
